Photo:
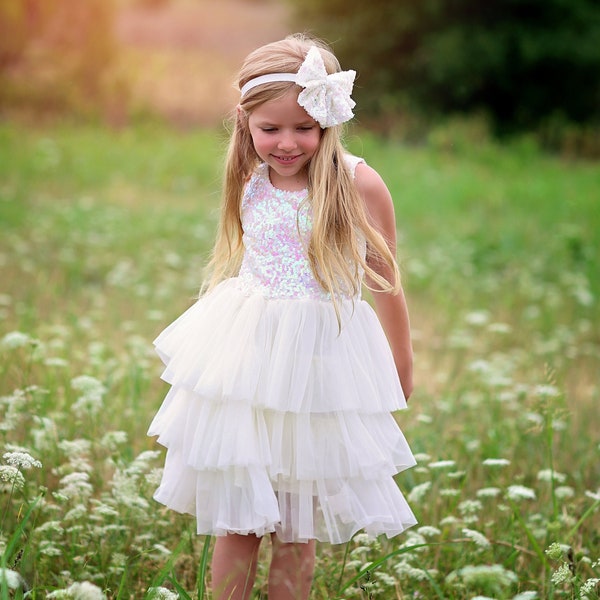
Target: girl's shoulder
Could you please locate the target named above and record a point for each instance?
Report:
(374, 191)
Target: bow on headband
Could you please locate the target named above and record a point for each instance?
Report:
(326, 98)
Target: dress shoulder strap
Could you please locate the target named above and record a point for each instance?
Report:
(352, 162)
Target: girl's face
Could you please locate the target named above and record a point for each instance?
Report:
(286, 138)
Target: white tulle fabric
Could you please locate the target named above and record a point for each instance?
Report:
(277, 422)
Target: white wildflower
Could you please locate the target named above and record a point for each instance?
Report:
(45, 435)
(449, 492)
(550, 474)
(14, 411)
(529, 595)
(78, 512)
(482, 574)
(422, 457)
(418, 492)
(12, 477)
(477, 537)
(428, 531)
(50, 527)
(56, 362)
(48, 548)
(546, 391)
(79, 591)
(480, 366)
(14, 340)
(386, 579)
(414, 538)
(449, 520)
(423, 418)
(113, 439)
(13, 580)
(470, 507)
(473, 445)
(488, 492)
(76, 484)
(520, 492)
(77, 447)
(556, 550)
(21, 460)
(496, 462)
(104, 510)
(405, 570)
(477, 317)
(564, 491)
(589, 587)
(593, 495)
(442, 464)
(90, 400)
(86, 591)
(125, 490)
(562, 574)
(162, 549)
(499, 328)
(535, 418)
(161, 593)
(142, 462)
(154, 477)
(364, 539)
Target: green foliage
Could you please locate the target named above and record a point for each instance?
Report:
(524, 62)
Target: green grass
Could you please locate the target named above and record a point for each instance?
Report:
(103, 238)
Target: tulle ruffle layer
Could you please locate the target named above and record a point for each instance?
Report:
(277, 422)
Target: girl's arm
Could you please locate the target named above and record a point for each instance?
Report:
(391, 309)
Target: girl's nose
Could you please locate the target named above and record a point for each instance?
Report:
(287, 142)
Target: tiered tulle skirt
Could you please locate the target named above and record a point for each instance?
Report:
(278, 422)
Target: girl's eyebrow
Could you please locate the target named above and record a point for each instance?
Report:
(266, 121)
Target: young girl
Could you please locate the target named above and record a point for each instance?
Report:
(278, 421)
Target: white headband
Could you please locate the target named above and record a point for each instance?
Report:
(326, 98)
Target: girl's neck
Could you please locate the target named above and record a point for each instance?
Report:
(296, 183)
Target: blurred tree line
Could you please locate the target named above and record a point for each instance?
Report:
(58, 55)
(525, 63)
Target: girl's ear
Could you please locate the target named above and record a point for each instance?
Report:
(242, 115)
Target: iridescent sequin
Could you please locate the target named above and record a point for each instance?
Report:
(277, 226)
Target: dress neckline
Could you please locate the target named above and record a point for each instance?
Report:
(267, 178)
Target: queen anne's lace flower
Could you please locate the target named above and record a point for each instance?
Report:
(21, 460)
(12, 476)
(520, 492)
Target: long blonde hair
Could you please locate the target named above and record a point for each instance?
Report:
(340, 222)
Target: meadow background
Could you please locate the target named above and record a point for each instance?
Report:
(106, 222)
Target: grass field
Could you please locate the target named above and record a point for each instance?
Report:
(103, 238)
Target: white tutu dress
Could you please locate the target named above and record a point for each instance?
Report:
(276, 421)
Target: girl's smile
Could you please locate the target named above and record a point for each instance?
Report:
(286, 138)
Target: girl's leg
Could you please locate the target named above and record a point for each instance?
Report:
(291, 571)
(234, 566)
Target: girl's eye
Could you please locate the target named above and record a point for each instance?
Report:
(269, 129)
(306, 128)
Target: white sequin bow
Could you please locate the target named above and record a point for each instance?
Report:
(326, 98)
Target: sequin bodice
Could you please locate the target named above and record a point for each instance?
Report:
(277, 227)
